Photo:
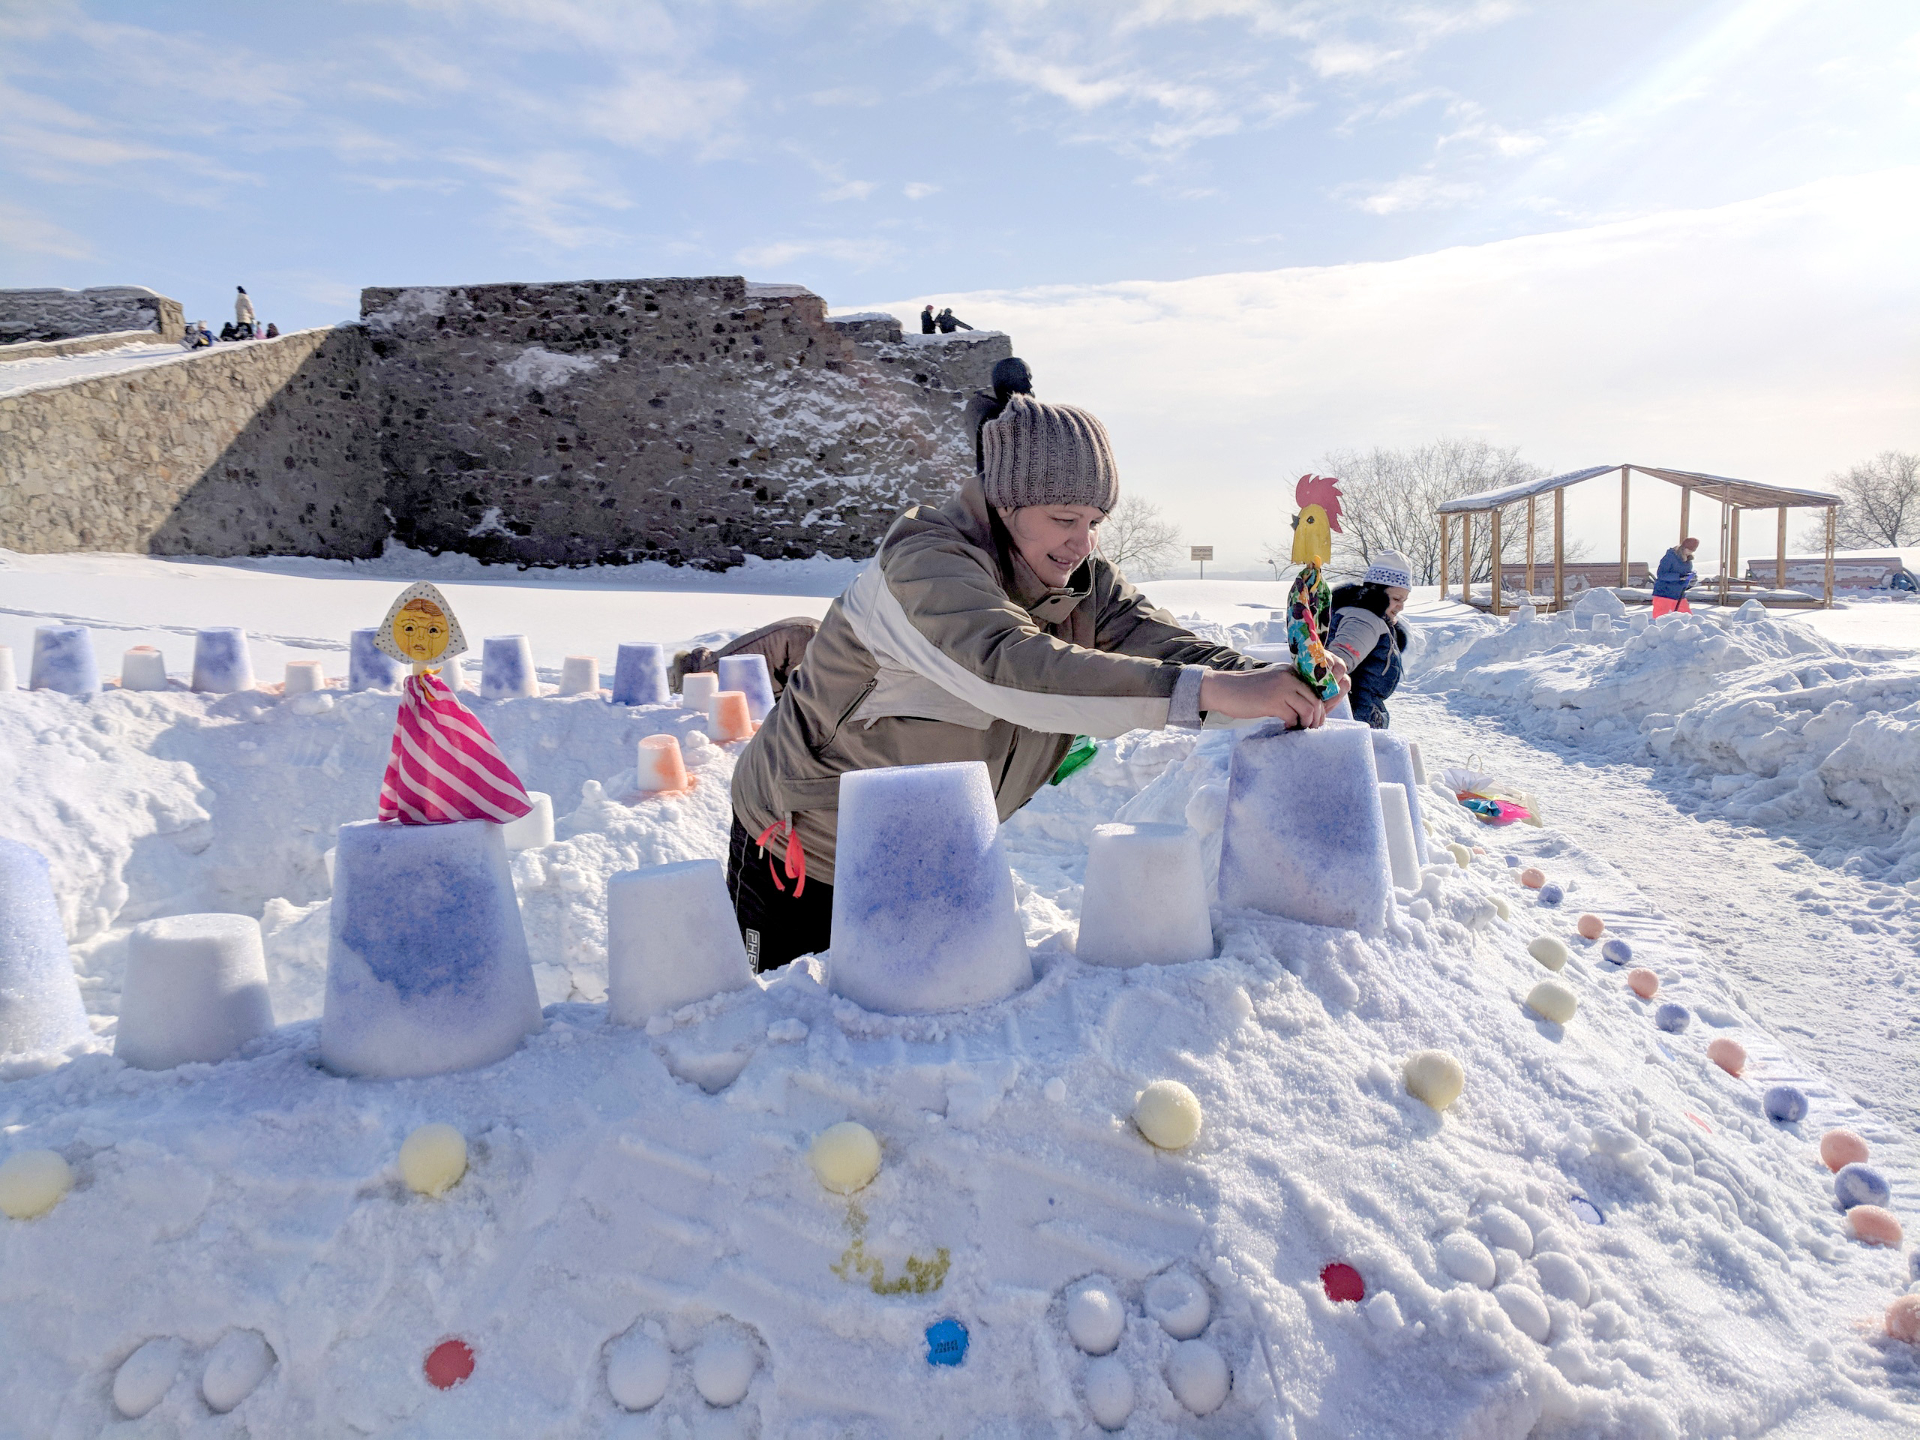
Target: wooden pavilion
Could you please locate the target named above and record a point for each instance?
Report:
(1734, 496)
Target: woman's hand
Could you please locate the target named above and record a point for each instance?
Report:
(1257, 694)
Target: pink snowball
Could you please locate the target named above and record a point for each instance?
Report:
(1903, 1318)
(1729, 1055)
(1533, 879)
(1590, 927)
(1842, 1147)
(1643, 983)
(1874, 1225)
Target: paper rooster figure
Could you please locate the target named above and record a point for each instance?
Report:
(1309, 600)
(445, 766)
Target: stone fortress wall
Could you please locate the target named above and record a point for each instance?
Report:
(687, 420)
(103, 310)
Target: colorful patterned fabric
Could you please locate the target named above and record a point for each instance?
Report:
(445, 766)
(1309, 606)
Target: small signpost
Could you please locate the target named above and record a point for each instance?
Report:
(1202, 553)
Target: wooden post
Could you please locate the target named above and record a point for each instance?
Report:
(1686, 498)
(1446, 533)
(1827, 599)
(1733, 535)
(1466, 556)
(1725, 506)
(1530, 500)
(1625, 473)
(1780, 560)
(1559, 551)
(1495, 571)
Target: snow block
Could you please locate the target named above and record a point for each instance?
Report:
(506, 668)
(196, 989)
(923, 904)
(640, 675)
(427, 967)
(1393, 759)
(1402, 854)
(749, 675)
(369, 667)
(222, 664)
(143, 668)
(672, 939)
(659, 764)
(40, 1005)
(63, 660)
(9, 678)
(728, 717)
(1304, 837)
(1145, 901)
(579, 675)
(304, 677)
(697, 691)
(533, 829)
(1419, 765)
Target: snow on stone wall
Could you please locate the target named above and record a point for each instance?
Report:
(63, 314)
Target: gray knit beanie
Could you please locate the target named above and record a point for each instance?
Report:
(1039, 454)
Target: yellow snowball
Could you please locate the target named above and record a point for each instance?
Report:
(845, 1156)
(1168, 1114)
(433, 1159)
(32, 1182)
(1435, 1077)
(1462, 856)
(1549, 950)
(1551, 1000)
(1501, 908)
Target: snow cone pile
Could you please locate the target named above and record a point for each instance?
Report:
(1471, 1155)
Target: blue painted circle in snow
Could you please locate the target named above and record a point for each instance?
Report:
(1858, 1184)
(1551, 894)
(1673, 1018)
(1586, 1210)
(1617, 952)
(946, 1342)
(1784, 1103)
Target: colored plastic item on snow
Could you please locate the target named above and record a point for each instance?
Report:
(946, 1342)
(1343, 1283)
(448, 1363)
(1079, 755)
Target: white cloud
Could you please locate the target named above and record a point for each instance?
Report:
(919, 190)
(849, 190)
(24, 232)
(1411, 192)
(853, 251)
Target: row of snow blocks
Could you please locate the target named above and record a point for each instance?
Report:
(143, 668)
(63, 660)
(580, 675)
(697, 691)
(1303, 836)
(222, 664)
(40, 1005)
(1397, 761)
(672, 939)
(729, 716)
(533, 829)
(196, 990)
(1145, 898)
(368, 666)
(749, 675)
(659, 766)
(1403, 856)
(506, 668)
(924, 917)
(640, 674)
(427, 966)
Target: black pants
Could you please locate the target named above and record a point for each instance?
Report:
(777, 926)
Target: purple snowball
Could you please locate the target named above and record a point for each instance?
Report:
(1673, 1018)
(1784, 1103)
(1858, 1184)
(1617, 952)
(1551, 894)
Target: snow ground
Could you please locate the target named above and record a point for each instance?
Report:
(654, 1179)
(17, 376)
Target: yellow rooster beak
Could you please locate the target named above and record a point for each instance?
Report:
(1312, 540)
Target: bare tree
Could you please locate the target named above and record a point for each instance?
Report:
(1137, 539)
(1881, 504)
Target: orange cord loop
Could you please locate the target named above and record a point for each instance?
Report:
(796, 857)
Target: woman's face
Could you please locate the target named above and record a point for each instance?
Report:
(1396, 600)
(1053, 539)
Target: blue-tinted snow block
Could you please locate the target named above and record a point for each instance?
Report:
(40, 1005)
(640, 674)
(506, 668)
(749, 675)
(222, 664)
(946, 1342)
(368, 666)
(63, 660)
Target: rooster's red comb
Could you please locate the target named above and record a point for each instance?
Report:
(1321, 490)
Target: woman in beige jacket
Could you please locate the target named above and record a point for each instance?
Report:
(988, 628)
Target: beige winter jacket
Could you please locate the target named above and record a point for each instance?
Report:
(945, 648)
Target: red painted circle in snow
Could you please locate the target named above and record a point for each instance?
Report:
(448, 1363)
(1342, 1282)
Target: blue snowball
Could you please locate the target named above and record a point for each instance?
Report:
(1913, 1264)
(1617, 952)
(1513, 862)
(1551, 894)
(1673, 1018)
(1784, 1103)
(1858, 1184)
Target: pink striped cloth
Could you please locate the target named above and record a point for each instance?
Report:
(445, 766)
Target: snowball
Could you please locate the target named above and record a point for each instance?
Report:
(1842, 1147)
(1096, 1317)
(1549, 950)
(640, 674)
(1673, 1018)
(1729, 1054)
(506, 668)
(1168, 1114)
(1903, 1319)
(1507, 1230)
(845, 1156)
(1784, 1103)
(32, 1182)
(1109, 1393)
(1561, 1276)
(432, 1159)
(1145, 897)
(1465, 1258)
(1526, 1310)
(722, 1369)
(638, 1370)
(1616, 952)
(145, 1376)
(1858, 1184)
(1462, 856)
(1551, 1000)
(1180, 1303)
(1874, 1224)
(1643, 982)
(1501, 908)
(1533, 879)
(1551, 894)
(1435, 1077)
(1513, 862)
(1590, 927)
(235, 1368)
(1198, 1376)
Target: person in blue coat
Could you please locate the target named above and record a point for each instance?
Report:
(1366, 638)
(1675, 578)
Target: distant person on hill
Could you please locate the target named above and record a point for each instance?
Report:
(242, 314)
(1010, 377)
(1366, 637)
(784, 643)
(927, 323)
(1674, 579)
(1902, 580)
(950, 322)
(227, 331)
(273, 331)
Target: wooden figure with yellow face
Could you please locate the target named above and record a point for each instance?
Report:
(420, 632)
